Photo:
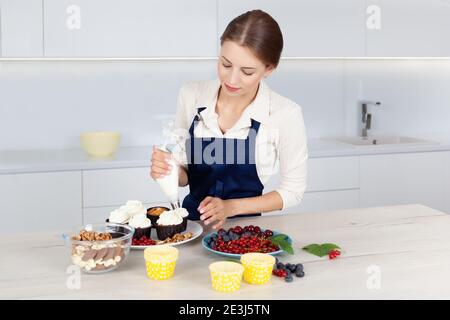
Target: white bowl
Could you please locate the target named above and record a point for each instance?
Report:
(100, 144)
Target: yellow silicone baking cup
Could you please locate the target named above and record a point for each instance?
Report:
(160, 262)
(226, 276)
(257, 267)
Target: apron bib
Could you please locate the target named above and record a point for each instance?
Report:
(221, 167)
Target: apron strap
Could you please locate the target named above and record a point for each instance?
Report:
(255, 125)
(196, 119)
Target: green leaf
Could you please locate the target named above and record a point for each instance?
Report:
(320, 250)
(327, 247)
(281, 241)
(314, 249)
(278, 237)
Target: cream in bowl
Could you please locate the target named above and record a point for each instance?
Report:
(100, 144)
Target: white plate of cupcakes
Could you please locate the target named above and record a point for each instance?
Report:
(156, 225)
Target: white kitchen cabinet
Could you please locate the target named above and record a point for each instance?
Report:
(21, 28)
(334, 173)
(35, 202)
(325, 200)
(129, 28)
(447, 182)
(311, 28)
(332, 183)
(406, 178)
(114, 187)
(411, 28)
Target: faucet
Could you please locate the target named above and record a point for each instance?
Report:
(367, 117)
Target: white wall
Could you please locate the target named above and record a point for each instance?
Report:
(46, 104)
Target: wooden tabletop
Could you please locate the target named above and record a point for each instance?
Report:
(400, 252)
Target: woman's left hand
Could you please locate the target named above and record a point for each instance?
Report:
(215, 210)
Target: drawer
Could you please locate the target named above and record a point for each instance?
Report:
(38, 202)
(113, 187)
(333, 173)
(324, 201)
(326, 174)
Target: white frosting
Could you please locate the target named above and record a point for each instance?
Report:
(119, 216)
(134, 207)
(169, 218)
(182, 212)
(140, 221)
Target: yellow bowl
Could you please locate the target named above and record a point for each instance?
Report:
(100, 144)
(160, 261)
(257, 267)
(226, 276)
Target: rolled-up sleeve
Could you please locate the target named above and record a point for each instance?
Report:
(293, 158)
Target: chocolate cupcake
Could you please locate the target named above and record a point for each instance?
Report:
(142, 226)
(153, 213)
(183, 214)
(169, 224)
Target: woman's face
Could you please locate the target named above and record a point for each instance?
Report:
(239, 70)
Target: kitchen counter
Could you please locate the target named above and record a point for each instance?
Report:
(408, 246)
(28, 161)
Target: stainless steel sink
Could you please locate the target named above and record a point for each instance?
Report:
(379, 140)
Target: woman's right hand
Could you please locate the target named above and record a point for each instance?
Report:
(160, 166)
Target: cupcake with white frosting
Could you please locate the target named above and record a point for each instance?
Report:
(183, 214)
(142, 226)
(126, 212)
(169, 223)
(134, 207)
(119, 215)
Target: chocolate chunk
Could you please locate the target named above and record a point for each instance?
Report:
(110, 254)
(99, 267)
(89, 255)
(118, 251)
(101, 253)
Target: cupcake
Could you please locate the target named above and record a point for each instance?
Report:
(142, 226)
(169, 224)
(153, 213)
(134, 207)
(125, 212)
(119, 215)
(184, 214)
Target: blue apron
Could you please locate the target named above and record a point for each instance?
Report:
(230, 176)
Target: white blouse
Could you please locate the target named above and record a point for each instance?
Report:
(281, 144)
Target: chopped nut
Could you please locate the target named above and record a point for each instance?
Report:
(92, 236)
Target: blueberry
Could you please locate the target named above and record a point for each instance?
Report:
(291, 267)
(226, 238)
(300, 273)
(288, 278)
(299, 266)
(280, 265)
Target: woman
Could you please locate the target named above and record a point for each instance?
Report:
(239, 131)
